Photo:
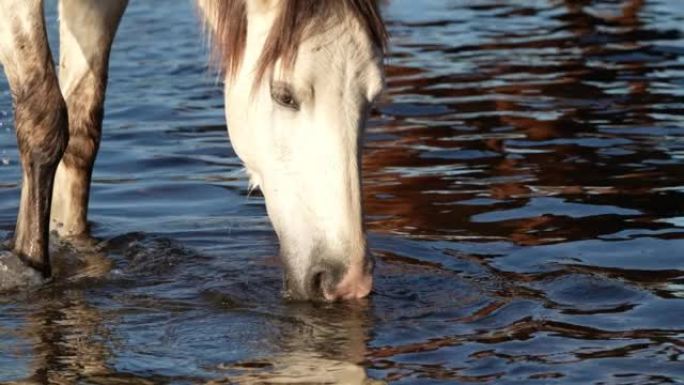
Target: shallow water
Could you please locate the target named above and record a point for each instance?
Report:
(525, 197)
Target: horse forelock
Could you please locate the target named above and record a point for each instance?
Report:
(226, 25)
(296, 20)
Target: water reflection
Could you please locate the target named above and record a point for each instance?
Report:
(537, 164)
(524, 125)
(70, 346)
(74, 341)
(317, 344)
(68, 342)
(69, 338)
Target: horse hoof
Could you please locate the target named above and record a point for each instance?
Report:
(15, 275)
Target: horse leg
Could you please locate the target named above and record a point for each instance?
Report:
(40, 117)
(87, 29)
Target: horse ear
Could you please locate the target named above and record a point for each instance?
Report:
(368, 14)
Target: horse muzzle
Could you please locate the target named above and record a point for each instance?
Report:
(334, 281)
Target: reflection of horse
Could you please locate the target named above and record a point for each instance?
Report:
(300, 76)
(315, 347)
(69, 340)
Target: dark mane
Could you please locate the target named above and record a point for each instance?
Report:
(297, 20)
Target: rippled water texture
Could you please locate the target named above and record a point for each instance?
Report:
(524, 191)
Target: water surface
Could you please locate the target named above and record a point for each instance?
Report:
(524, 182)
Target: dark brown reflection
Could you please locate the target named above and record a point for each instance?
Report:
(534, 118)
(68, 343)
(71, 345)
(550, 129)
(71, 339)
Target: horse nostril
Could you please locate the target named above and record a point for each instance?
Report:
(323, 278)
(317, 281)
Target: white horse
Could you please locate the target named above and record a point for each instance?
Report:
(300, 77)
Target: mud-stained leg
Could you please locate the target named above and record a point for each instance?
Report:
(87, 29)
(40, 116)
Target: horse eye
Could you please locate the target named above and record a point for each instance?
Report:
(282, 94)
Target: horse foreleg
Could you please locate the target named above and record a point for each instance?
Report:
(40, 116)
(87, 29)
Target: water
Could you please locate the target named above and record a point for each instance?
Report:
(525, 196)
